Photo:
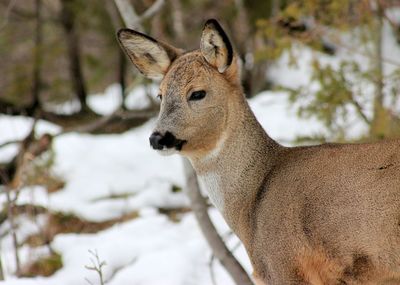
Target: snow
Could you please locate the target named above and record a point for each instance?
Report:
(106, 102)
(110, 100)
(17, 128)
(97, 167)
(279, 118)
(138, 98)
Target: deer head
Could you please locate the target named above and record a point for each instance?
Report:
(195, 90)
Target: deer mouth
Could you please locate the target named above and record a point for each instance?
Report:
(166, 142)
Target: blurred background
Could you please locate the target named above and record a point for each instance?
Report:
(84, 200)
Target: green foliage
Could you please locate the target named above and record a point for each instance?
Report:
(335, 91)
(329, 101)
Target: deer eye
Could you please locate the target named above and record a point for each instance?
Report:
(197, 95)
(159, 97)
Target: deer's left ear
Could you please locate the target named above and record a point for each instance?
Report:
(215, 46)
(151, 57)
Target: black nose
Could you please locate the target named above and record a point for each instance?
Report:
(156, 141)
(168, 140)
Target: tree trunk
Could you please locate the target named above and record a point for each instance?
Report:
(244, 47)
(37, 61)
(122, 76)
(75, 66)
(117, 24)
(178, 25)
(218, 247)
(381, 120)
(275, 7)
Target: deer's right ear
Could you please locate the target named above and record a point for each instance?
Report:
(151, 57)
(215, 46)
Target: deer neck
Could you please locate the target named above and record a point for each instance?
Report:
(235, 170)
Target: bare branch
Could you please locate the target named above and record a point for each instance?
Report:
(131, 19)
(90, 127)
(9, 143)
(88, 281)
(216, 243)
(359, 110)
(212, 258)
(129, 15)
(68, 21)
(120, 116)
(212, 273)
(152, 10)
(38, 58)
(96, 265)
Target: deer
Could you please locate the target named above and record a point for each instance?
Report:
(309, 215)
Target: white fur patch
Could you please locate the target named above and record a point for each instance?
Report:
(211, 182)
(167, 151)
(217, 149)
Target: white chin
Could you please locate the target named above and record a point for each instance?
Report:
(167, 151)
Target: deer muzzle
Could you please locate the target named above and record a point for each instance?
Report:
(159, 141)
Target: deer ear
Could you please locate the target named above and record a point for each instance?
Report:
(151, 57)
(215, 46)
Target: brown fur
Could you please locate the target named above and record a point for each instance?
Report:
(327, 214)
(315, 267)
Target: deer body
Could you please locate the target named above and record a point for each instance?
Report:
(327, 214)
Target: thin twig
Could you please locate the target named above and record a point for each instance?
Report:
(9, 143)
(119, 114)
(216, 243)
(359, 110)
(212, 272)
(131, 18)
(17, 182)
(129, 15)
(96, 266)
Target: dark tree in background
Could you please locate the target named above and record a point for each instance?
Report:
(68, 20)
